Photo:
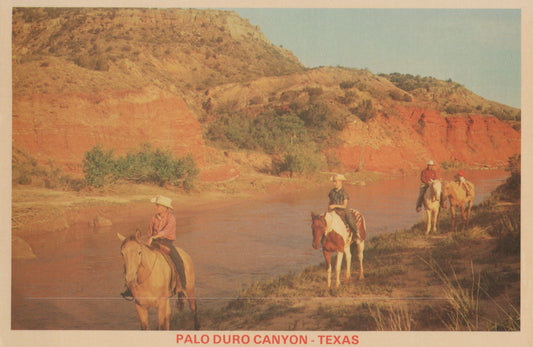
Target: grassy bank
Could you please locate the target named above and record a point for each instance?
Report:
(467, 280)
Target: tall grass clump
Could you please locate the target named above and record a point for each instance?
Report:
(145, 166)
(464, 301)
(391, 319)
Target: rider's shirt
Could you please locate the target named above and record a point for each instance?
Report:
(427, 175)
(164, 225)
(337, 197)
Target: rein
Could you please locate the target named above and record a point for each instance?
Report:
(151, 269)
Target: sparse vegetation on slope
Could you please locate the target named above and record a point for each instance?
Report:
(463, 281)
(451, 97)
(200, 48)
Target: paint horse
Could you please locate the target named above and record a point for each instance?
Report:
(330, 232)
(431, 202)
(453, 192)
(151, 279)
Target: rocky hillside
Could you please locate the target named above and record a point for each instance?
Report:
(124, 77)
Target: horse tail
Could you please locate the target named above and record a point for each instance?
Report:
(360, 223)
(179, 302)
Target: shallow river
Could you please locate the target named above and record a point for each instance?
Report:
(76, 281)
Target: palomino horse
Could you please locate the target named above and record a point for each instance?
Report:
(458, 197)
(431, 202)
(330, 232)
(149, 277)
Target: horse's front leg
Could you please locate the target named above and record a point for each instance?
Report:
(143, 316)
(360, 250)
(453, 218)
(163, 311)
(348, 253)
(463, 216)
(435, 219)
(338, 269)
(327, 256)
(428, 226)
(468, 212)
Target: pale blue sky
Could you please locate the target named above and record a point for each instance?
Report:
(479, 49)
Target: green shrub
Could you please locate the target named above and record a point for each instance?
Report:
(409, 82)
(147, 165)
(399, 96)
(269, 131)
(98, 166)
(347, 84)
(510, 190)
(365, 110)
(456, 108)
(300, 159)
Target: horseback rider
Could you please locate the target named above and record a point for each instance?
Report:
(338, 202)
(463, 183)
(162, 233)
(426, 176)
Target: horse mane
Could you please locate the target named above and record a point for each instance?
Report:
(134, 238)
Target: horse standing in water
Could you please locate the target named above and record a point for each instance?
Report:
(431, 202)
(330, 232)
(457, 196)
(150, 278)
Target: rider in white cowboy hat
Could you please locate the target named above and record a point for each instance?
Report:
(338, 202)
(426, 176)
(162, 231)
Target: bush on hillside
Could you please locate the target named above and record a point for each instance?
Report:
(510, 190)
(396, 95)
(409, 82)
(147, 165)
(365, 110)
(347, 84)
(300, 159)
(269, 131)
(452, 108)
(98, 166)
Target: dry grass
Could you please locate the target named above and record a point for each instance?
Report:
(463, 281)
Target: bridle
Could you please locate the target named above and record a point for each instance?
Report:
(151, 269)
(323, 228)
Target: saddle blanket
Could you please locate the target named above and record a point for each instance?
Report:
(360, 223)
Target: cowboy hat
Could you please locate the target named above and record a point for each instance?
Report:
(431, 162)
(162, 200)
(338, 177)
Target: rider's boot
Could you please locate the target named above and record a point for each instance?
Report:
(127, 294)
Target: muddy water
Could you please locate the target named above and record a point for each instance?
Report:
(76, 281)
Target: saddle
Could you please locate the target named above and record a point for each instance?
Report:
(165, 252)
(359, 223)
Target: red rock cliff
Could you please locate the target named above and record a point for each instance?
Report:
(62, 128)
(406, 141)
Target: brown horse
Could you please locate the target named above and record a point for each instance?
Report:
(330, 232)
(431, 202)
(149, 277)
(457, 196)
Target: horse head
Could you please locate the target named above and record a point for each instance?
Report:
(318, 228)
(131, 250)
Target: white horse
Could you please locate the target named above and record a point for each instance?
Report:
(431, 202)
